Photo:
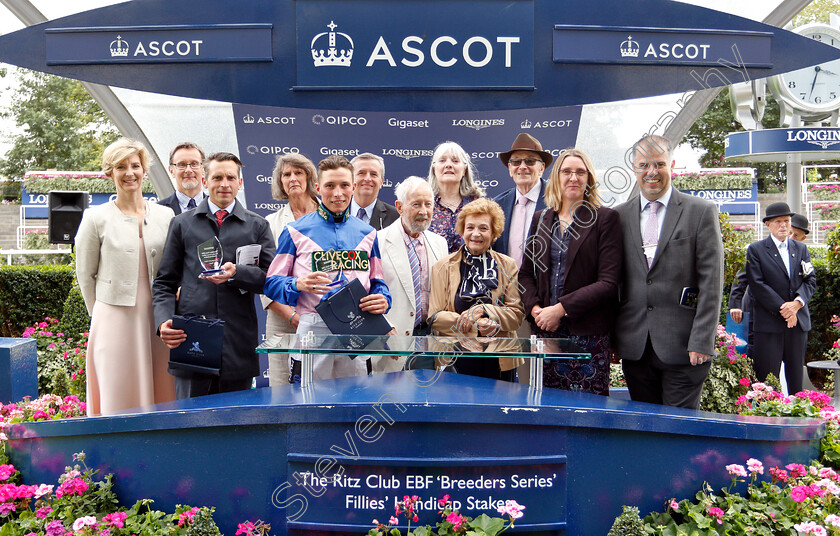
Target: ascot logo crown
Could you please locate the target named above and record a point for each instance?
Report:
(325, 51)
(525, 124)
(248, 119)
(629, 48)
(119, 48)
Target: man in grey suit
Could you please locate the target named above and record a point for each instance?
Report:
(672, 284)
(401, 244)
(368, 175)
(186, 165)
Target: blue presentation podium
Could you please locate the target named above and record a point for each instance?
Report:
(331, 457)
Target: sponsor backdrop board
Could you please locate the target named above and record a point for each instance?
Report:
(405, 140)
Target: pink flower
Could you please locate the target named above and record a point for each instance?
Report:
(745, 382)
(40, 415)
(796, 469)
(511, 508)
(833, 520)
(187, 517)
(674, 505)
(71, 486)
(86, 521)
(43, 490)
(717, 513)
(798, 494)
(755, 466)
(393, 521)
(116, 519)
(246, 528)
(736, 470)
(778, 474)
(6, 471)
(456, 519)
(43, 512)
(443, 500)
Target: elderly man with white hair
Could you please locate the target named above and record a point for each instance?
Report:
(409, 250)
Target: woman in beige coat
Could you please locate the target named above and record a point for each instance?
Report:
(118, 249)
(475, 290)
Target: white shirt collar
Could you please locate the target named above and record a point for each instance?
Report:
(533, 194)
(665, 199)
(214, 208)
(778, 242)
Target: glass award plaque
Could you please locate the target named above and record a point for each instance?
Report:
(210, 257)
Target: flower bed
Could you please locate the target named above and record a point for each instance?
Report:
(93, 182)
(828, 211)
(824, 192)
(61, 359)
(713, 180)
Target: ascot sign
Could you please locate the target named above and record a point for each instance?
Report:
(477, 45)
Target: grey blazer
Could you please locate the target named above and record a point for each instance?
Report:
(107, 249)
(689, 254)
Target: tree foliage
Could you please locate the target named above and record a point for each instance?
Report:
(709, 134)
(62, 126)
(817, 11)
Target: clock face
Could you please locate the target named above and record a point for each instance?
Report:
(817, 88)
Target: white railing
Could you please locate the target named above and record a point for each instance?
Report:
(23, 227)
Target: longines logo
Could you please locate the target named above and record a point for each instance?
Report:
(332, 49)
(823, 138)
(319, 119)
(249, 119)
(559, 123)
(265, 149)
(120, 48)
(267, 206)
(408, 154)
(478, 124)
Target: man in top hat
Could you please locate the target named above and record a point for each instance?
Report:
(526, 161)
(782, 281)
(799, 227)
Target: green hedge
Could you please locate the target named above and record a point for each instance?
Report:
(93, 185)
(28, 294)
(75, 318)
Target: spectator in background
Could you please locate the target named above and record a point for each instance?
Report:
(571, 271)
(118, 249)
(186, 166)
(782, 281)
(475, 290)
(368, 174)
(452, 177)
(294, 179)
(799, 228)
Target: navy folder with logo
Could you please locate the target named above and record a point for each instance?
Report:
(341, 312)
(202, 351)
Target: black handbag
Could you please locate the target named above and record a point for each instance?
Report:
(202, 351)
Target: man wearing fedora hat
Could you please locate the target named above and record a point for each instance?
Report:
(799, 227)
(526, 162)
(782, 281)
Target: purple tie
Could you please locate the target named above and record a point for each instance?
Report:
(518, 230)
(651, 237)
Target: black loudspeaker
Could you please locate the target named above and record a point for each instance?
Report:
(65, 215)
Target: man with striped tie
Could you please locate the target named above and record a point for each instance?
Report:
(409, 250)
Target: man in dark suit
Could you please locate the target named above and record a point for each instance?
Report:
(526, 161)
(782, 281)
(228, 295)
(672, 284)
(368, 175)
(799, 228)
(186, 165)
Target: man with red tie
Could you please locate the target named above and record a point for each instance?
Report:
(228, 295)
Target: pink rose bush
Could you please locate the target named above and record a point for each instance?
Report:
(452, 522)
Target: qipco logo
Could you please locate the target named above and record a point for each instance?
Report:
(339, 120)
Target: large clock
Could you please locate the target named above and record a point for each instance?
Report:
(812, 91)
